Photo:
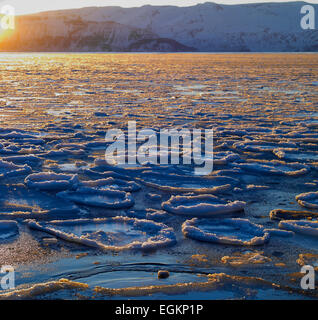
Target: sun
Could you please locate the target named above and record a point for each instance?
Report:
(5, 34)
(7, 26)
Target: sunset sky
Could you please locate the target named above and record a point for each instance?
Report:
(31, 6)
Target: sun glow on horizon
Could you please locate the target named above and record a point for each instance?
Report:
(7, 22)
(4, 34)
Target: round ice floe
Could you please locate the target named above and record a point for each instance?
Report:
(100, 173)
(300, 226)
(273, 168)
(222, 131)
(125, 171)
(51, 181)
(153, 196)
(222, 158)
(16, 135)
(104, 198)
(262, 146)
(201, 206)
(246, 258)
(31, 160)
(9, 148)
(253, 187)
(113, 183)
(225, 231)
(281, 214)
(126, 168)
(295, 155)
(8, 169)
(149, 214)
(279, 233)
(187, 183)
(8, 229)
(22, 137)
(65, 152)
(20, 201)
(101, 144)
(116, 233)
(71, 167)
(308, 200)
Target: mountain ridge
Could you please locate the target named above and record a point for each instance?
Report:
(207, 27)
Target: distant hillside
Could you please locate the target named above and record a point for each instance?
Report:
(204, 27)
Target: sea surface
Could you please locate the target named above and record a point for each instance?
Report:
(76, 227)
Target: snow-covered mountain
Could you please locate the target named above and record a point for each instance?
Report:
(204, 27)
(69, 33)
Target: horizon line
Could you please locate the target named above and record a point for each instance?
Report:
(244, 3)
